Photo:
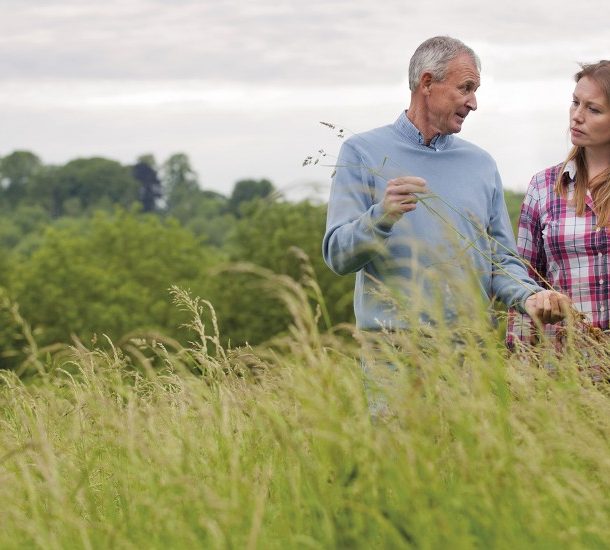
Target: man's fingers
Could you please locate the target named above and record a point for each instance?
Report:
(532, 307)
(535, 306)
(561, 306)
(548, 306)
(408, 184)
(565, 304)
(538, 306)
(556, 312)
(401, 195)
(401, 203)
(421, 182)
(407, 199)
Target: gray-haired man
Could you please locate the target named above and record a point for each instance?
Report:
(373, 214)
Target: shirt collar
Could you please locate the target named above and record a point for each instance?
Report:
(410, 132)
(570, 169)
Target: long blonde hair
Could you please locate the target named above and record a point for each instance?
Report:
(600, 184)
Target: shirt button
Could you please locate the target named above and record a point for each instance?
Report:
(598, 229)
(601, 308)
(601, 281)
(600, 254)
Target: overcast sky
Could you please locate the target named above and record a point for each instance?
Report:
(240, 86)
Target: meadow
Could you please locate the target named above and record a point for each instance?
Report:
(154, 444)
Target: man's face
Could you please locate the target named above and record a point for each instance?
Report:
(450, 100)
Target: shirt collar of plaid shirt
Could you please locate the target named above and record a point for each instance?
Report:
(570, 169)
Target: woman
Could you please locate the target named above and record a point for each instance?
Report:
(564, 228)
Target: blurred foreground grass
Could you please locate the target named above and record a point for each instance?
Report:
(148, 446)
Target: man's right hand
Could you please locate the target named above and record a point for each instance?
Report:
(399, 196)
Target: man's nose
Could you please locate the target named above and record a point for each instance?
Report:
(472, 102)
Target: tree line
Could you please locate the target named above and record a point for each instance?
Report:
(90, 249)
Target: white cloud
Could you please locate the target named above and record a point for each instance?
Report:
(240, 86)
(187, 95)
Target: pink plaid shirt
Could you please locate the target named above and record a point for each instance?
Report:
(568, 251)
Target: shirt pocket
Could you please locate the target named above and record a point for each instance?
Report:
(568, 238)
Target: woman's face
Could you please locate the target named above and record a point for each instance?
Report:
(590, 115)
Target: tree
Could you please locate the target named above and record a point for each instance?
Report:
(206, 216)
(265, 235)
(22, 222)
(16, 172)
(82, 185)
(245, 191)
(109, 275)
(179, 180)
(149, 159)
(204, 212)
(150, 186)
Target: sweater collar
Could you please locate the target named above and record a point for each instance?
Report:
(410, 132)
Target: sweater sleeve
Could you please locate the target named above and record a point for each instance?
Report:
(356, 228)
(530, 245)
(511, 282)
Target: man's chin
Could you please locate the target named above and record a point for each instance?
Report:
(457, 127)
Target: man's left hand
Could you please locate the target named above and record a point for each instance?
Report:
(548, 306)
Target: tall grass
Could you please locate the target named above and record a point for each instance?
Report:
(276, 447)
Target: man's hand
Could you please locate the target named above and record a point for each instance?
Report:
(399, 195)
(548, 306)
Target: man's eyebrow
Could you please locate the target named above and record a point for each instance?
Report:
(471, 82)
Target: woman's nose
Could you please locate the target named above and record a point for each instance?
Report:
(577, 113)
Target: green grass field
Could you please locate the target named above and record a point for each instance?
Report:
(154, 446)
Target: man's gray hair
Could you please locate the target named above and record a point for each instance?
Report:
(433, 56)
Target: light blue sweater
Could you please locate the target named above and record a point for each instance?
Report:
(358, 239)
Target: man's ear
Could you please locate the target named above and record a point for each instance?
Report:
(425, 82)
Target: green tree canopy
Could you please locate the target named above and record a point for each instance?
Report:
(16, 172)
(265, 236)
(179, 180)
(245, 191)
(109, 275)
(150, 186)
(84, 184)
(148, 159)
(205, 212)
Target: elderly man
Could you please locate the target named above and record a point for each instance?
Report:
(375, 226)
